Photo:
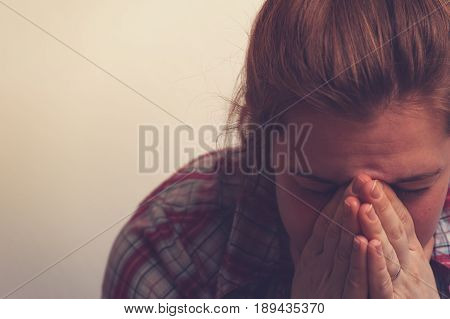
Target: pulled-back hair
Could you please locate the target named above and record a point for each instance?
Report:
(351, 58)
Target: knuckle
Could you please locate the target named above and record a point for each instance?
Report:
(383, 205)
(415, 276)
(310, 250)
(415, 248)
(355, 270)
(378, 231)
(384, 284)
(380, 268)
(391, 256)
(342, 255)
(403, 216)
(353, 283)
(396, 232)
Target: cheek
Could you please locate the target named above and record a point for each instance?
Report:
(425, 212)
(298, 210)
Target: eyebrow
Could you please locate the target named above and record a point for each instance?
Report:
(417, 177)
(398, 181)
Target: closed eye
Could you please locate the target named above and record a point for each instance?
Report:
(322, 192)
(411, 191)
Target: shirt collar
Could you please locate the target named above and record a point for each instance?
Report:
(258, 246)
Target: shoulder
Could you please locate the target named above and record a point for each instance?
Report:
(201, 181)
(440, 262)
(171, 246)
(441, 251)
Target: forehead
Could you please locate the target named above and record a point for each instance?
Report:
(390, 146)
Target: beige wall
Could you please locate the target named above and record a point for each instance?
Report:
(69, 157)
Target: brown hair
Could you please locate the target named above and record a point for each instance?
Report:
(349, 57)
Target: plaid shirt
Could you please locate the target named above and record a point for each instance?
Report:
(190, 238)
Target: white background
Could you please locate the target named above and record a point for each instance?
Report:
(332, 308)
(68, 131)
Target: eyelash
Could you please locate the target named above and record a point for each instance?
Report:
(398, 191)
(415, 191)
(322, 192)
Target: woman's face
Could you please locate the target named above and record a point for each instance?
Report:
(391, 148)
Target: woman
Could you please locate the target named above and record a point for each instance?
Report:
(340, 185)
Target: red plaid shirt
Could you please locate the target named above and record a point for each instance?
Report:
(190, 239)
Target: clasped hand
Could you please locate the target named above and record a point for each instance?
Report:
(363, 245)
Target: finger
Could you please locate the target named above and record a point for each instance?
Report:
(350, 227)
(315, 242)
(359, 181)
(373, 230)
(402, 212)
(389, 219)
(336, 228)
(380, 284)
(333, 231)
(356, 285)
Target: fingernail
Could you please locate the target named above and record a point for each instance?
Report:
(358, 183)
(348, 205)
(371, 213)
(375, 192)
(356, 243)
(379, 249)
